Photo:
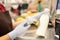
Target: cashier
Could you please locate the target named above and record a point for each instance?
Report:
(6, 25)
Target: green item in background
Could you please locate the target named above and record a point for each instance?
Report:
(24, 6)
(39, 7)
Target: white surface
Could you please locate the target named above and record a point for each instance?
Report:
(58, 11)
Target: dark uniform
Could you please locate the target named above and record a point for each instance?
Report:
(5, 23)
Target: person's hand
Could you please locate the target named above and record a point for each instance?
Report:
(19, 30)
(31, 20)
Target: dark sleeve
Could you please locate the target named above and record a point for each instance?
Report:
(5, 24)
(19, 7)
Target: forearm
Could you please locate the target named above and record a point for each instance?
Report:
(5, 37)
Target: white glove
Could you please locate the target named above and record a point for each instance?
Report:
(19, 30)
(31, 20)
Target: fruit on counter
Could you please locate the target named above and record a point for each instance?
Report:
(20, 19)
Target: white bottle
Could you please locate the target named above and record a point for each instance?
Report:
(44, 20)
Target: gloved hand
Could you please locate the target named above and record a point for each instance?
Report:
(31, 20)
(19, 30)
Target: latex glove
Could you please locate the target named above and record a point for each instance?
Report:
(31, 20)
(35, 18)
(19, 30)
